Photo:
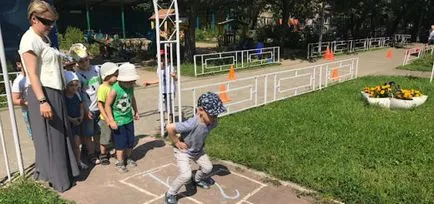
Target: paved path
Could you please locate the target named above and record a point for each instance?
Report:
(148, 182)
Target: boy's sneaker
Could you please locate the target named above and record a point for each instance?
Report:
(170, 199)
(105, 160)
(121, 167)
(131, 163)
(94, 159)
(202, 183)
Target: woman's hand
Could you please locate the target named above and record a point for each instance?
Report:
(46, 111)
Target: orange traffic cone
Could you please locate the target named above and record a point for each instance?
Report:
(389, 54)
(223, 95)
(335, 74)
(329, 55)
(232, 74)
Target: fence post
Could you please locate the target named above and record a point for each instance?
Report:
(195, 67)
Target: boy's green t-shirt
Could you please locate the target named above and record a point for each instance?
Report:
(122, 106)
(103, 92)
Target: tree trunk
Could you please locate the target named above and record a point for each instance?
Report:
(190, 35)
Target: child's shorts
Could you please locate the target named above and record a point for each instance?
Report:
(90, 128)
(124, 136)
(27, 122)
(75, 129)
(106, 133)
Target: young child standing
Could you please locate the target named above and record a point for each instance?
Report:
(119, 107)
(75, 111)
(109, 73)
(90, 80)
(168, 77)
(189, 147)
(19, 93)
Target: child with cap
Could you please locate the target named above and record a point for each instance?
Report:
(119, 106)
(109, 73)
(90, 80)
(19, 93)
(74, 107)
(189, 146)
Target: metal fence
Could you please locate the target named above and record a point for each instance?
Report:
(220, 62)
(416, 53)
(346, 46)
(250, 92)
(12, 76)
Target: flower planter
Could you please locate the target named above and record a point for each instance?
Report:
(394, 102)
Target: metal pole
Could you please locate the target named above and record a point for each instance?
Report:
(87, 15)
(178, 60)
(123, 19)
(11, 106)
(160, 95)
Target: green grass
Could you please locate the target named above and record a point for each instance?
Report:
(28, 191)
(423, 64)
(334, 143)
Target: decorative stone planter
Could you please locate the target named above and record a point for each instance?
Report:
(394, 102)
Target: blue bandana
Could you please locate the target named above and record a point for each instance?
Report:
(211, 103)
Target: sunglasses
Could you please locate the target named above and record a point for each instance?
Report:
(45, 21)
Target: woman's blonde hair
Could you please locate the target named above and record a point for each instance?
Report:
(40, 7)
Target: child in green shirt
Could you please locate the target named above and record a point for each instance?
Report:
(119, 106)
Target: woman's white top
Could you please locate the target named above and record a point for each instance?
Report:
(49, 65)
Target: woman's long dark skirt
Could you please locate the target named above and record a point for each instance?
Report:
(55, 161)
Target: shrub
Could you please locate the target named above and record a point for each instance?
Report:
(205, 35)
(72, 35)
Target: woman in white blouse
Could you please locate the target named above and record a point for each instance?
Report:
(55, 160)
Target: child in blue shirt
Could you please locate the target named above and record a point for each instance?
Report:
(74, 106)
(189, 147)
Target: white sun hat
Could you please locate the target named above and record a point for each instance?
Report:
(70, 76)
(127, 72)
(78, 51)
(108, 69)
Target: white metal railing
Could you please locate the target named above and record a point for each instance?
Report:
(262, 89)
(3, 100)
(349, 46)
(240, 59)
(415, 53)
(401, 39)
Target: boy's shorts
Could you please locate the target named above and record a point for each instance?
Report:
(124, 136)
(106, 133)
(27, 122)
(90, 128)
(75, 129)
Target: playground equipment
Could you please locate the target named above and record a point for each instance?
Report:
(172, 58)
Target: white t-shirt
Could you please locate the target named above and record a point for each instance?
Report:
(169, 85)
(20, 85)
(49, 65)
(90, 81)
